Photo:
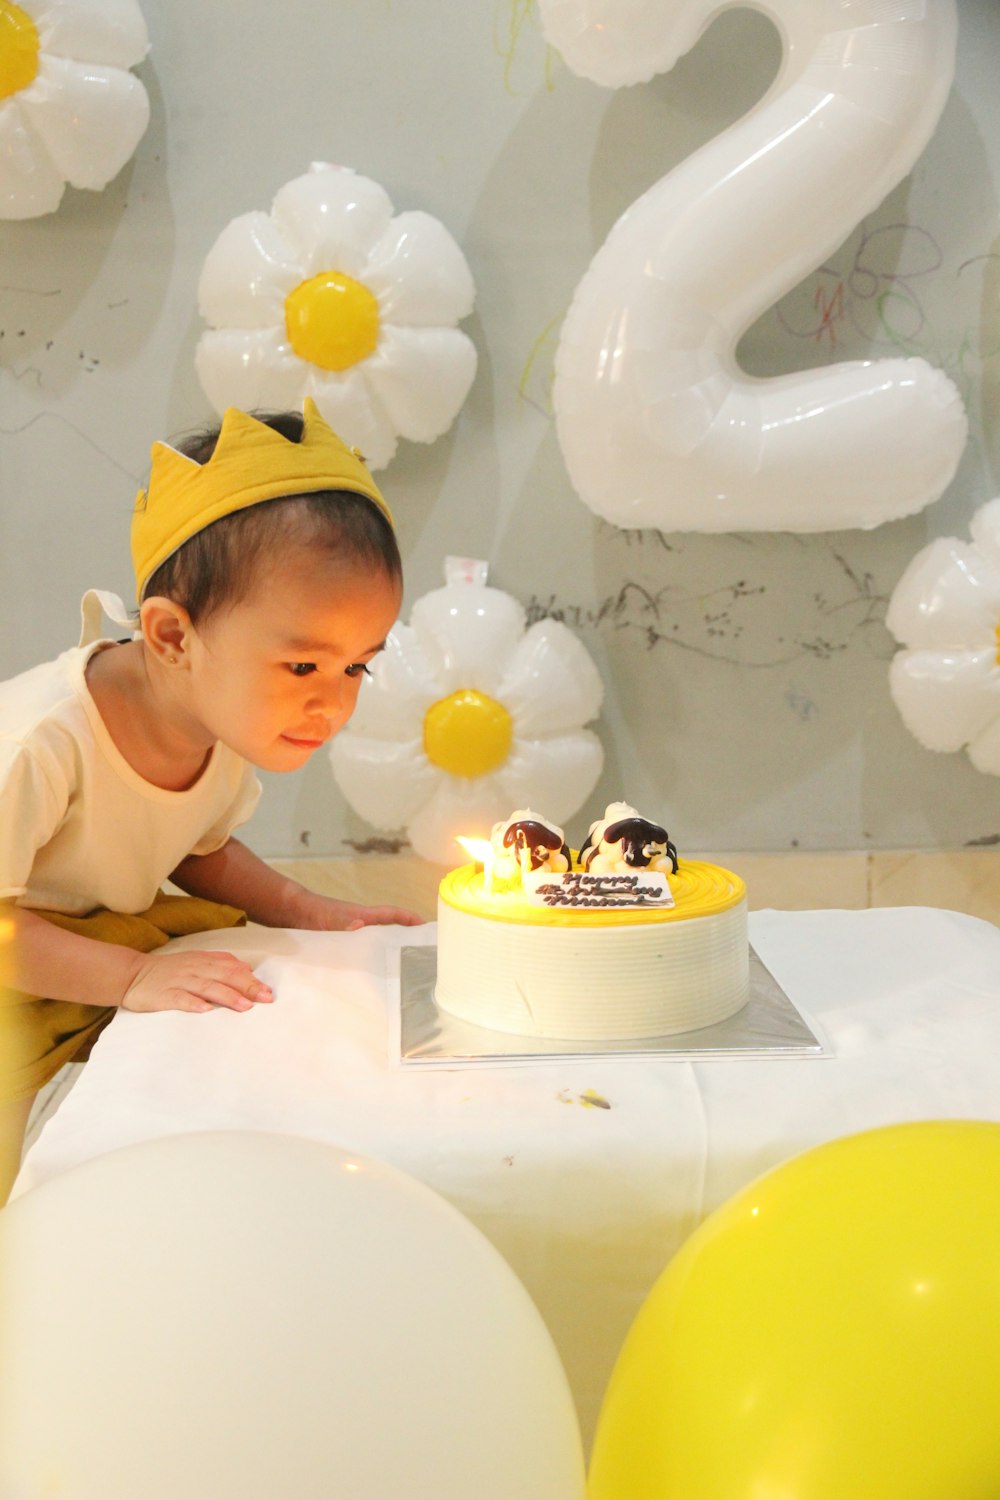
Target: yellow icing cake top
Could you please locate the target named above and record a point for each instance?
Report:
(698, 889)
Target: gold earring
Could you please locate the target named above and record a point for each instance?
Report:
(172, 660)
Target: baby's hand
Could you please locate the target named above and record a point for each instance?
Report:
(377, 916)
(325, 914)
(193, 981)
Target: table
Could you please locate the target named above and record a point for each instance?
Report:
(587, 1175)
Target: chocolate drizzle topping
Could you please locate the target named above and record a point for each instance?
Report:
(527, 834)
(640, 839)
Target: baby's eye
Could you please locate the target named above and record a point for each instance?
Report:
(301, 668)
(356, 668)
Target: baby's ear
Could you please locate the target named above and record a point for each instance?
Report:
(166, 629)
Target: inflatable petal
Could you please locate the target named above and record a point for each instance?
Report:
(458, 806)
(556, 775)
(984, 751)
(252, 370)
(985, 530)
(613, 43)
(392, 702)
(110, 32)
(946, 700)
(385, 783)
(89, 118)
(948, 597)
(470, 632)
(421, 376)
(29, 183)
(247, 275)
(419, 274)
(332, 218)
(346, 402)
(551, 682)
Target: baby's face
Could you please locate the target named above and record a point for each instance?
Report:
(278, 674)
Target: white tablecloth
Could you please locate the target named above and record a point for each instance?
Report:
(587, 1202)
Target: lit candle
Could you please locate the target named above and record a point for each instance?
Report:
(481, 851)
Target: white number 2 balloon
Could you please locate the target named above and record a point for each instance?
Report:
(657, 423)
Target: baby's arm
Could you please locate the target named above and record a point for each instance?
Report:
(43, 959)
(235, 875)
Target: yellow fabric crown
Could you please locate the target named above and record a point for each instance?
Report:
(251, 463)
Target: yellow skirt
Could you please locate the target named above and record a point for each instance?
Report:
(38, 1036)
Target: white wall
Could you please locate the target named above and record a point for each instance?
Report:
(747, 699)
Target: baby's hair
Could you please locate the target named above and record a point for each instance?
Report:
(216, 567)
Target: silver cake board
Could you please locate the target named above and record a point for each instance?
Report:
(423, 1035)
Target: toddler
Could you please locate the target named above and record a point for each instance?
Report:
(268, 576)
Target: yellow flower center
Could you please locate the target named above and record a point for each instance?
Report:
(467, 733)
(332, 320)
(18, 49)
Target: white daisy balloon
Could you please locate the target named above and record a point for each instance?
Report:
(332, 296)
(945, 611)
(467, 715)
(70, 111)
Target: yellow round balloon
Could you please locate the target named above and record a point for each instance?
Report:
(830, 1333)
(332, 320)
(468, 733)
(18, 49)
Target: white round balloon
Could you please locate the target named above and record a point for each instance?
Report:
(657, 424)
(246, 1316)
(70, 111)
(332, 296)
(469, 714)
(945, 611)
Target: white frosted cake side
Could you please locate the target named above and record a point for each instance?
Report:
(594, 975)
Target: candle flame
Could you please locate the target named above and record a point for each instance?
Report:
(481, 850)
(478, 849)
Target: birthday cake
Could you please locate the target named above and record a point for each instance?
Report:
(621, 941)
